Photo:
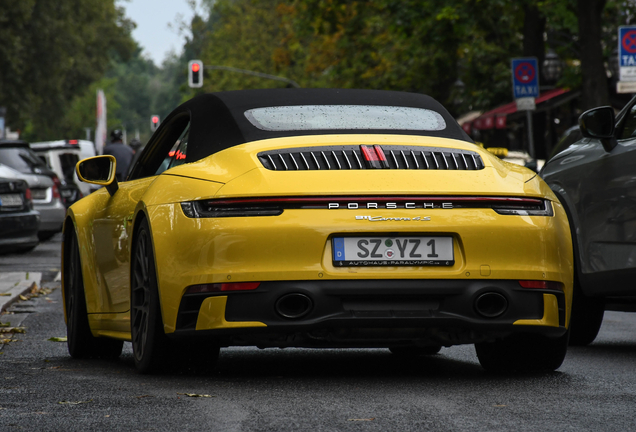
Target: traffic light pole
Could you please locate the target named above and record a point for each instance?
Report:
(249, 72)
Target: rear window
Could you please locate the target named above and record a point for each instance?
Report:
(21, 159)
(329, 117)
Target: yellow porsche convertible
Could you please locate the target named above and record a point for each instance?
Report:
(316, 218)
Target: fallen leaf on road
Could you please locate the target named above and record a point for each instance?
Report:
(5, 341)
(13, 330)
(7, 324)
(23, 298)
(75, 403)
(195, 395)
(369, 419)
(57, 339)
(5, 294)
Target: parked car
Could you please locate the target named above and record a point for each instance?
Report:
(46, 200)
(316, 218)
(19, 222)
(62, 156)
(571, 136)
(18, 155)
(595, 180)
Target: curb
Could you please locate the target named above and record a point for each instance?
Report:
(16, 284)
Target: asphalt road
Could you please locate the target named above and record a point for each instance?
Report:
(42, 388)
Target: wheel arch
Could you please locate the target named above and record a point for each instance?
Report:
(564, 199)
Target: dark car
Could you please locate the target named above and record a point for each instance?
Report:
(18, 155)
(595, 180)
(19, 223)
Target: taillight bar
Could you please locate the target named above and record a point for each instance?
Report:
(273, 206)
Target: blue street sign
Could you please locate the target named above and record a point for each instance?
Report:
(627, 46)
(525, 77)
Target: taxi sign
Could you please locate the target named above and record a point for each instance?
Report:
(525, 78)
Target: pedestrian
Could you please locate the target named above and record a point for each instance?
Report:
(123, 154)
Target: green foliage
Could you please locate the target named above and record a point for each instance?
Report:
(52, 52)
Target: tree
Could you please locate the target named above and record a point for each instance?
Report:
(53, 52)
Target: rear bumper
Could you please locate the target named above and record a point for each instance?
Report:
(51, 215)
(369, 313)
(19, 230)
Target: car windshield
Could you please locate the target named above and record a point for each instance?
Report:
(21, 159)
(328, 117)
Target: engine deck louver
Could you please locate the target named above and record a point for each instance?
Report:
(354, 158)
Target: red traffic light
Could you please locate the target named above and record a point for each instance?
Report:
(155, 119)
(195, 73)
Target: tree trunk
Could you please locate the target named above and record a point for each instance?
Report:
(595, 91)
(533, 29)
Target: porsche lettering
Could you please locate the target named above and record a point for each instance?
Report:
(391, 205)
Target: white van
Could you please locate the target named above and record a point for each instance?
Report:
(63, 155)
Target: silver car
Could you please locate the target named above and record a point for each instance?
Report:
(46, 200)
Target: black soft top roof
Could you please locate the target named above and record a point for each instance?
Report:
(218, 119)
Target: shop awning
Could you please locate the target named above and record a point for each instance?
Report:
(497, 118)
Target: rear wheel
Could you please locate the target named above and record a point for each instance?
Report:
(523, 352)
(415, 350)
(586, 319)
(81, 343)
(153, 350)
(151, 347)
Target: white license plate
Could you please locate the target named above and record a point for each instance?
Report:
(10, 200)
(393, 251)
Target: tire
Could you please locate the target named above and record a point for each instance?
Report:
(523, 353)
(586, 318)
(80, 341)
(415, 350)
(153, 351)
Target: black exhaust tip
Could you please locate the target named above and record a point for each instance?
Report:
(293, 306)
(491, 304)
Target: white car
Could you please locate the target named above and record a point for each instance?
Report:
(62, 156)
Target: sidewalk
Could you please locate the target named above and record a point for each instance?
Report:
(12, 285)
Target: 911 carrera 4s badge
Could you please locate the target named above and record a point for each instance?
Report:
(396, 219)
(393, 251)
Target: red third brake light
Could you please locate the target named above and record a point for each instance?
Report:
(374, 156)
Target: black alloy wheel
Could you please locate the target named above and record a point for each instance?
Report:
(150, 344)
(153, 351)
(80, 341)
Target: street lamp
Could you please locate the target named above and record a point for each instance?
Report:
(552, 67)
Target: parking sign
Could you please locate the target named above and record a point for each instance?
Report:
(525, 77)
(627, 52)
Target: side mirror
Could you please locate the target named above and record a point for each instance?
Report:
(599, 123)
(99, 170)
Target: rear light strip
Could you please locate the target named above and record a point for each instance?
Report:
(275, 206)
